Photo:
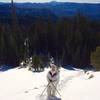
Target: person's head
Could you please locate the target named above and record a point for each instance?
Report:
(53, 67)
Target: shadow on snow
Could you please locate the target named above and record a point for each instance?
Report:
(4, 68)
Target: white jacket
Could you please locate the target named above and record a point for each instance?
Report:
(53, 76)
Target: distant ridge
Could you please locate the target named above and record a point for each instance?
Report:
(53, 9)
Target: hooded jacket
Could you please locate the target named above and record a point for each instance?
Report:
(53, 76)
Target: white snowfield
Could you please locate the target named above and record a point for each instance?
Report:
(21, 84)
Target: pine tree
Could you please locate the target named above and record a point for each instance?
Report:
(2, 46)
(95, 58)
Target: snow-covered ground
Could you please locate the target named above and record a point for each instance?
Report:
(21, 84)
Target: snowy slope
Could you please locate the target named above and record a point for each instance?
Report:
(21, 84)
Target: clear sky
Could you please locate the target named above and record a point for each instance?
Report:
(85, 1)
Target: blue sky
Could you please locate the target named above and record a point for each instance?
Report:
(86, 1)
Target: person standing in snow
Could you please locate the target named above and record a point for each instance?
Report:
(53, 80)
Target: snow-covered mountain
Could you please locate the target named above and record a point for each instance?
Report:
(22, 84)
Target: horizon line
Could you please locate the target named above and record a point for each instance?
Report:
(51, 2)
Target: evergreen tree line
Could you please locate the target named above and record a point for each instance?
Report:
(68, 40)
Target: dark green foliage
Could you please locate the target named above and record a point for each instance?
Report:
(69, 41)
(95, 58)
(37, 63)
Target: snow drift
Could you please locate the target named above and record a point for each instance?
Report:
(21, 84)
